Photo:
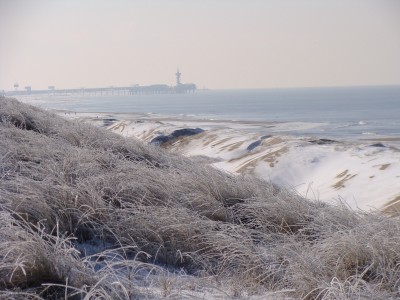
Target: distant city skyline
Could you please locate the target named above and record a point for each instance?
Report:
(224, 44)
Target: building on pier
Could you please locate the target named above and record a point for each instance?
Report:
(183, 87)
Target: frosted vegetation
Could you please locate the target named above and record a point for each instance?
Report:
(89, 214)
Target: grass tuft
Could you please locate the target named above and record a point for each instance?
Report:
(87, 214)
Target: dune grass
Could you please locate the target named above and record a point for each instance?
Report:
(88, 214)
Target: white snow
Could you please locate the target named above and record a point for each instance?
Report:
(364, 176)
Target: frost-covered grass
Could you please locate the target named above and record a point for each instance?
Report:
(88, 214)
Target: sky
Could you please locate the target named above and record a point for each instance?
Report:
(218, 44)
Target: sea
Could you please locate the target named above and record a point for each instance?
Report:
(335, 112)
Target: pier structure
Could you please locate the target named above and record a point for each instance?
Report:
(179, 88)
(183, 87)
(178, 77)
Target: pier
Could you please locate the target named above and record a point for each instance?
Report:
(179, 88)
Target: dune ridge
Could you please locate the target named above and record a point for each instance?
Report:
(88, 214)
(307, 164)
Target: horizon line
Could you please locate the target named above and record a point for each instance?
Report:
(230, 88)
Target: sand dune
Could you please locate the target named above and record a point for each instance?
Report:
(363, 173)
(87, 213)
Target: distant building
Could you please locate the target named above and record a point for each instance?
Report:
(178, 77)
(183, 87)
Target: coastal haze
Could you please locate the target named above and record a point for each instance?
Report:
(200, 149)
(216, 44)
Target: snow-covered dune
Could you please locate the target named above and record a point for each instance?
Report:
(365, 173)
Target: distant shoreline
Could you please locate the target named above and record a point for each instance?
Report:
(4, 92)
(346, 112)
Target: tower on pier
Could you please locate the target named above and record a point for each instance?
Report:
(178, 77)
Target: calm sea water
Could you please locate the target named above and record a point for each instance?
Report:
(345, 112)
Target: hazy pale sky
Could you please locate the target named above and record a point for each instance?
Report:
(215, 43)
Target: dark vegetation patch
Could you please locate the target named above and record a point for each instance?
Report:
(109, 121)
(162, 139)
(322, 141)
(379, 145)
(255, 144)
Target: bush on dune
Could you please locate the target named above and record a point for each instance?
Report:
(84, 212)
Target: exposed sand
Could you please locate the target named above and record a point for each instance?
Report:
(362, 175)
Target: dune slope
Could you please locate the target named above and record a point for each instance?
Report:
(87, 213)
